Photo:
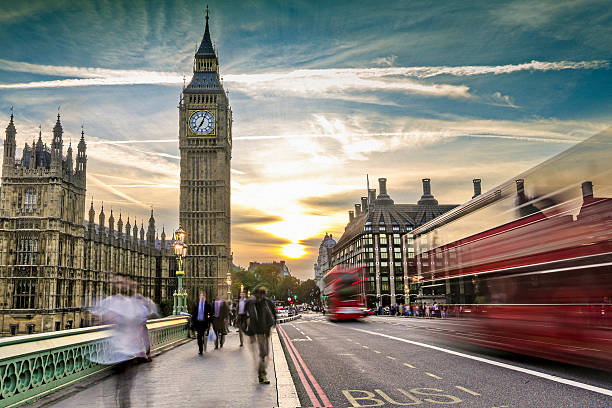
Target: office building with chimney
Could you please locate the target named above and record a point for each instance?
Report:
(373, 239)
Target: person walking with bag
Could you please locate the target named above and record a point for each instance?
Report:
(261, 317)
(201, 315)
(221, 314)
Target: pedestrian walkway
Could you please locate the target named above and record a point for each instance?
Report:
(180, 377)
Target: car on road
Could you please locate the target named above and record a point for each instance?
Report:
(282, 312)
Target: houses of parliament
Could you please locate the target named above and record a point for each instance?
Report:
(56, 261)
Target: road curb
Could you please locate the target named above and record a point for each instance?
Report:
(288, 319)
(286, 393)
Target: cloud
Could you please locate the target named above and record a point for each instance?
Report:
(320, 83)
(385, 61)
(244, 216)
(342, 201)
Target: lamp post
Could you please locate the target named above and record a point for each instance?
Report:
(228, 281)
(180, 250)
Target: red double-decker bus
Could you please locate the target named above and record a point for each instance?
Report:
(528, 265)
(344, 293)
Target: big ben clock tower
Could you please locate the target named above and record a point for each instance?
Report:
(205, 143)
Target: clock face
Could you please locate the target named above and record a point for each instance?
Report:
(202, 122)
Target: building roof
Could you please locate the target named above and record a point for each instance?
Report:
(384, 212)
(204, 82)
(206, 46)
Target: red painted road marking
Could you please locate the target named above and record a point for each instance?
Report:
(309, 391)
(315, 384)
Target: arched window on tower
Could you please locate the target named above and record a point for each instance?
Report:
(29, 200)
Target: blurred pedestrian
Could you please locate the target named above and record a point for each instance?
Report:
(221, 314)
(201, 316)
(149, 309)
(127, 317)
(241, 316)
(261, 317)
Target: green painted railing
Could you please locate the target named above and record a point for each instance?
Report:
(35, 365)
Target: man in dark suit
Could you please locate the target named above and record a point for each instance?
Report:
(219, 321)
(201, 317)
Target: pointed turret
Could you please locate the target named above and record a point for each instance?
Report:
(151, 231)
(163, 238)
(205, 60)
(101, 223)
(68, 167)
(82, 157)
(135, 234)
(57, 144)
(91, 221)
(10, 145)
(206, 46)
(111, 227)
(128, 229)
(120, 229)
(39, 151)
(142, 233)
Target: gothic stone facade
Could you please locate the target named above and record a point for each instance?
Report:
(53, 265)
(205, 143)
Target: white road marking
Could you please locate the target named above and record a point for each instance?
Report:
(409, 365)
(377, 352)
(392, 358)
(365, 347)
(434, 376)
(550, 377)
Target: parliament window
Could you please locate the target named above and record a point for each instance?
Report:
(27, 251)
(24, 294)
(29, 200)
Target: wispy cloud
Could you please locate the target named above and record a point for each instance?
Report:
(328, 83)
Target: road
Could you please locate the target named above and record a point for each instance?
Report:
(394, 362)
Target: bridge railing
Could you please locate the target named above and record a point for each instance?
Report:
(35, 365)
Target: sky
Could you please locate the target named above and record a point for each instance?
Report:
(322, 94)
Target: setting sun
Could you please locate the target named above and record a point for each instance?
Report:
(293, 251)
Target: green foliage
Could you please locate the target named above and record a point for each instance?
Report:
(278, 287)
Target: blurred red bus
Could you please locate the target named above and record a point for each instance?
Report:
(344, 292)
(528, 265)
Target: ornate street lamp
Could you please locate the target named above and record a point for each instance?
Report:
(228, 281)
(180, 251)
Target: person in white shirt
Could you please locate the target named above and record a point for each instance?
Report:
(241, 317)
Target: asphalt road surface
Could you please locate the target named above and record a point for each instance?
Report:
(395, 362)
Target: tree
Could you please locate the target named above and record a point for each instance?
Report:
(309, 291)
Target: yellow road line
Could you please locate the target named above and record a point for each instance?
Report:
(377, 352)
(392, 358)
(365, 347)
(466, 390)
(434, 376)
(409, 365)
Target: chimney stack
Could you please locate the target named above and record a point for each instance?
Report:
(351, 216)
(371, 198)
(477, 188)
(357, 209)
(364, 204)
(587, 189)
(382, 185)
(520, 186)
(426, 187)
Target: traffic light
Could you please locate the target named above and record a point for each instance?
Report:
(295, 297)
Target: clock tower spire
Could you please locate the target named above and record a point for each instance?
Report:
(205, 144)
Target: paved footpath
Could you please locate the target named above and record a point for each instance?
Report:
(180, 377)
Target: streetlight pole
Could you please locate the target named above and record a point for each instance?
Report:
(180, 250)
